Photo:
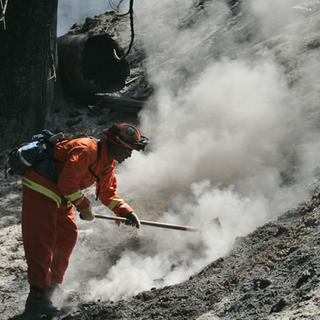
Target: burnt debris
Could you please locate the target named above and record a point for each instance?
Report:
(91, 64)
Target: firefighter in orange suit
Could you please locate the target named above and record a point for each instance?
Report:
(48, 221)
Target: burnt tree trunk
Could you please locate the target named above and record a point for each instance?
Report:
(27, 67)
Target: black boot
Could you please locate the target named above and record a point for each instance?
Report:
(37, 302)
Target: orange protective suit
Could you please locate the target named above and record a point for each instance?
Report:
(48, 222)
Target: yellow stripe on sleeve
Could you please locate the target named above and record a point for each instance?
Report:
(114, 202)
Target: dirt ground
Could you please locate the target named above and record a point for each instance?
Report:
(273, 273)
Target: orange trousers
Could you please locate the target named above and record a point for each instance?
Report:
(49, 235)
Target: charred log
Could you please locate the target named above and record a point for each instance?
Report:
(126, 105)
(91, 64)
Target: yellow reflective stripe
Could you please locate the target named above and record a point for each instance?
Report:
(74, 196)
(43, 190)
(114, 203)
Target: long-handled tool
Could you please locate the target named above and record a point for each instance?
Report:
(151, 223)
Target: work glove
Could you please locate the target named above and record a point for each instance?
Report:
(81, 203)
(87, 214)
(132, 220)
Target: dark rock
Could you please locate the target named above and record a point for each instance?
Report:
(246, 296)
(261, 283)
(281, 230)
(314, 44)
(304, 278)
(279, 306)
(311, 223)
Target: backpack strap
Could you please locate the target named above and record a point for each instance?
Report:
(94, 162)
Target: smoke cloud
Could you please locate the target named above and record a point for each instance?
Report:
(233, 125)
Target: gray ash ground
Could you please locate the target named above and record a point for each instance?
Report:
(273, 273)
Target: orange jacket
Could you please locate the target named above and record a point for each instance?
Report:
(79, 166)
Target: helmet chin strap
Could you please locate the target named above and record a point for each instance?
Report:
(118, 152)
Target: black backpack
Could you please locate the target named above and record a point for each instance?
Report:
(37, 153)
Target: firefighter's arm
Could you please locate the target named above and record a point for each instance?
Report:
(109, 197)
(69, 179)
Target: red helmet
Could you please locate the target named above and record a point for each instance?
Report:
(126, 135)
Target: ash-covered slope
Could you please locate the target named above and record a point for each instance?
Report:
(238, 89)
(273, 273)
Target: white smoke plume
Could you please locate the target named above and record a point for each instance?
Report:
(233, 131)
